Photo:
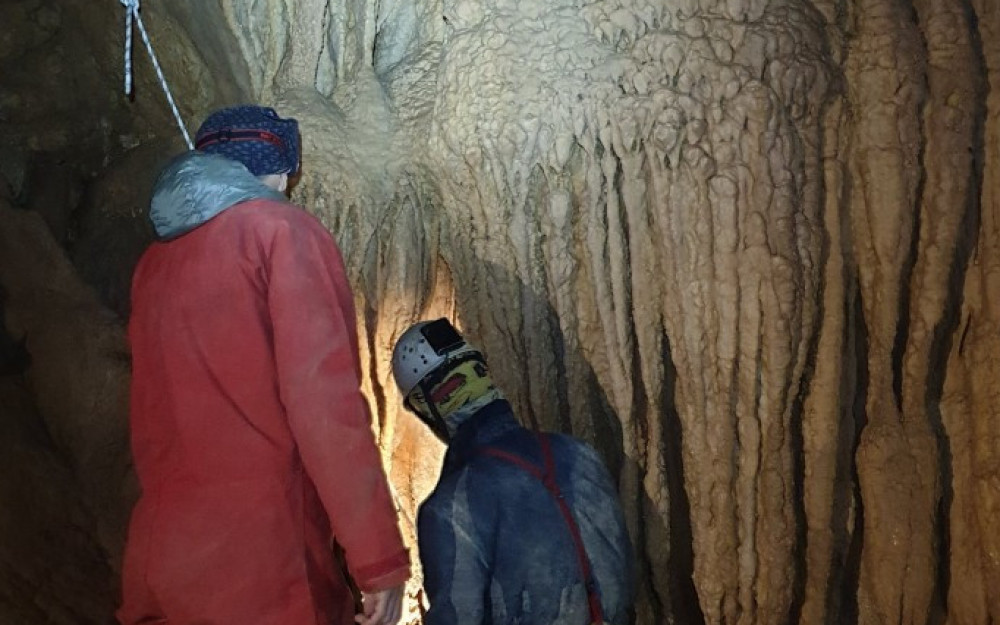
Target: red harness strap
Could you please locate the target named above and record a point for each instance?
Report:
(547, 477)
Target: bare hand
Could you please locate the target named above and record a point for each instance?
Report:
(382, 607)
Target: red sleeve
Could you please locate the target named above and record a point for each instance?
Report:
(315, 344)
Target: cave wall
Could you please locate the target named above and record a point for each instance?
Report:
(749, 249)
(64, 463)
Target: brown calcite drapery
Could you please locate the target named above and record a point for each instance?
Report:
(748, 249)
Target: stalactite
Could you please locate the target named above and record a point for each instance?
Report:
(885, 79)
(950, 120)
(261, 36)
(979, 342)
(827, 427)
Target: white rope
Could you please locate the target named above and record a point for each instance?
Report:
(128, 47)
(132, 14)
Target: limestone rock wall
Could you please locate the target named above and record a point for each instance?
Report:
(749, 249)
(968, 401)
(64, 490)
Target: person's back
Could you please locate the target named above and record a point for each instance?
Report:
(199, 316)
(213, 452)
(249, 431)
(496, 546)
(491, 526)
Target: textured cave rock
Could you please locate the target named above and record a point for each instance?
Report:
(64, 489)
(749, 249)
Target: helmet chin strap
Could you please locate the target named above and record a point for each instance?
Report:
(434, 420)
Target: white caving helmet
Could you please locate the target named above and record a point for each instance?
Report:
(423, 356)
(423, 348)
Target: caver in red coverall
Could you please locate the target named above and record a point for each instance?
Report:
(251, 438)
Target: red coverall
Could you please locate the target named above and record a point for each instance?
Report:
(251, 438)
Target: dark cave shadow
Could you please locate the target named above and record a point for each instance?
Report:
(684, 595)
(14, 357)
(797, 444)
(674, 599)
(108, 233)
(843, 590)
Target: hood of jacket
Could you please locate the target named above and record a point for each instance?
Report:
(195, 187)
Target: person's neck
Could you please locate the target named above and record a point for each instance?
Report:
(458, 416)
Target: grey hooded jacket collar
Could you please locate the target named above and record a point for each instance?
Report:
(195, 187)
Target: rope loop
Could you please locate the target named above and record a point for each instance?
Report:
(132, 16)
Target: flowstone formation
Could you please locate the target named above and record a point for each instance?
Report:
(748, 249)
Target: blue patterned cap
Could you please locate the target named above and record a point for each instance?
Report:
(254, 136)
